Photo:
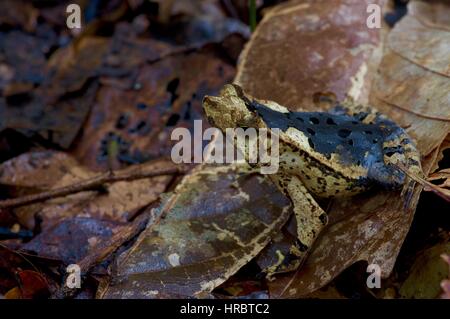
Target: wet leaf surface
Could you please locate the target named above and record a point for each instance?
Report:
(72, 239)
(169, 95)
(426, 274)
(214, 223)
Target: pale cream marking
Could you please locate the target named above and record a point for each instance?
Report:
(230, 234)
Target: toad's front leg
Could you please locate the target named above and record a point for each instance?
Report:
(310, 218)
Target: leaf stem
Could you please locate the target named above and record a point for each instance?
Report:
(252, 15)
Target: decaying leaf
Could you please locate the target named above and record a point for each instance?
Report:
(55, 170)
(32, 285)
(72, 239)
(214, 223)
(57, 108)
(445, 284)
(426, 274)
(195, 23)
(18, 13)
(302, 48)
(22, 59)
(443, 176)
(141, 121)
(57, 123)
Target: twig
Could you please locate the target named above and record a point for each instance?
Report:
(252, 15)
(89, 184)
(429, 187)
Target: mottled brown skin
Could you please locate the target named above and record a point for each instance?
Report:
(322, 154)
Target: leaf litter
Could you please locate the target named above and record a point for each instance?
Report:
(216, 224)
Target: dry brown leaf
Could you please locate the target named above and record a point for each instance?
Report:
(37, 170)
(214, 223)
(141, 121)
(440, 156)
(18, 13)
(73, 65)
(120, 202)
(419, 31)
(301, 48)
(443, 175)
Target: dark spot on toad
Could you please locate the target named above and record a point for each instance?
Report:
(141, 106)
(344, 133)
(122, 121)
(302, 247)
(389, 154)
(172, 87)
(330, 121)
(314, 120)
(142, 127)
(173, 120)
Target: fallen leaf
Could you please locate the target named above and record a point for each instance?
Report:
(22, 58)
(72, 239)
(32, 285)
(445, 284)
(54, 123)
(18, 13)
(443, 176)
(301, 48)
(426, 274)
(419, 31)
(51, 170)
(169, 96)
(195, 23)
(213, 224)
(441, 158)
